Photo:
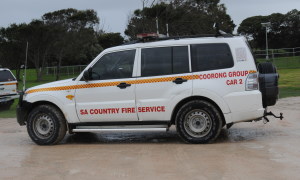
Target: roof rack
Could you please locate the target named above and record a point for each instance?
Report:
(153, 37)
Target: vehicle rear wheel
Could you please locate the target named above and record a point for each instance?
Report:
(6, 105)
(198, 122)
(46, 125)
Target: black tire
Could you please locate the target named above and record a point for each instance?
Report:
(6, 105)
(266, 68)
(46, 125)
(268, 83)
(201, 116)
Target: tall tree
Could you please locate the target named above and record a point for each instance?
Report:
(12, 48)
(75, 35)
(284, 30)
(66, 36)
(184, 17)
(108, 40)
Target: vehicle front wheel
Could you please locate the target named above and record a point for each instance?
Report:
(46, 125)
(198, 122)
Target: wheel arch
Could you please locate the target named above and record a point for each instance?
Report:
(38, 103)
(191, 98)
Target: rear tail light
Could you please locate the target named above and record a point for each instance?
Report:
(252, 82)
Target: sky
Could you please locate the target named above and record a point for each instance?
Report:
(114, 13)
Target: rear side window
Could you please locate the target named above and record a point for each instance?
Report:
(211, 56)
(6, 76)
(180, 60)
(164, 61)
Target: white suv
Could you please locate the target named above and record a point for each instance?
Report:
(198, 84)
(8, 88)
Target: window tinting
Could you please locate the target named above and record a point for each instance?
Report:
(211, 56)
(164, 61)
(156, 61)
(180, 60)
(117, 65)
(6, 76)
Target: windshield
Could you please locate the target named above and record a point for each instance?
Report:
(6, 76)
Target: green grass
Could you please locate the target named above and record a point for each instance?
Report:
(289, 70)
(285, 62)
(289, 84)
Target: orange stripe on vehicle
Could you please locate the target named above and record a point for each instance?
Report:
(108, 84)
(7, 84)
(251, 71)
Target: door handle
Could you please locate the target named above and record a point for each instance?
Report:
(179, 81)
(123, 85)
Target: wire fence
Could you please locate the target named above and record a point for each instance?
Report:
(65, 70)
(284, 58)
(275, 53)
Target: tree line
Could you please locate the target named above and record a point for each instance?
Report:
(283, 31)
(180, 17)
(73, 37)
(64, 37)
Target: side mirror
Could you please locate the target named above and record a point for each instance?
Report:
(87, 74)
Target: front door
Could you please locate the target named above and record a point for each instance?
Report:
(109, 96)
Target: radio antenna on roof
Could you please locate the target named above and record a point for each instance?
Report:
(220, 32)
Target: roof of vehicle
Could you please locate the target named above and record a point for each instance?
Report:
(4, 69)
(174, 42)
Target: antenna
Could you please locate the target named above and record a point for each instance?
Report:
(24, 76)
(220, 32)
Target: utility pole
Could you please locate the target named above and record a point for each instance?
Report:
(157, 31)
(266, 25)
(167, 29)
(143, 16)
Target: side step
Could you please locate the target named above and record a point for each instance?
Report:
(120, 130)
(129, 128)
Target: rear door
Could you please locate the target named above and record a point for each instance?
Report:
(165, 80)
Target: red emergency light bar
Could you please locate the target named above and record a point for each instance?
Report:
(147, 36)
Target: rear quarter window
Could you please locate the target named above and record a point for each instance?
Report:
(211, 57)
(165, 61)
(6, 76)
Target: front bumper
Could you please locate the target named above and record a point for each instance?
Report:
(6, 98)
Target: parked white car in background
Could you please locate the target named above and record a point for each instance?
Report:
(8, 88)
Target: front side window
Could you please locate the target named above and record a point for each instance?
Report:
(6, 76)
(117, 65)
(164, 61)
(211, 57)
